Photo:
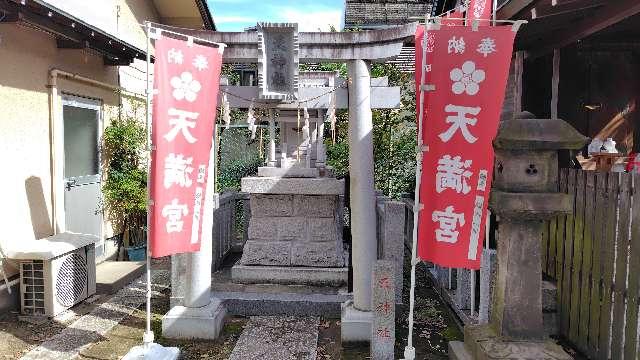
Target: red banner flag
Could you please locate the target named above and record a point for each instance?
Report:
(466, 75)
(454, 18)
(186, 82)
(480, 10)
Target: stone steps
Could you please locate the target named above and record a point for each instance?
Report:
(112, 276)
(292, 303)
(276, 337)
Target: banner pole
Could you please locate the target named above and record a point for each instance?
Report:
(148, 334)
(494, 11)
(410, 351)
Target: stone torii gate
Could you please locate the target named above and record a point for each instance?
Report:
(278, 49)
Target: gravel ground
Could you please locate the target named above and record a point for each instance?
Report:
(17, 336)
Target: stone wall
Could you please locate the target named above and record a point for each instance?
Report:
(294, 230)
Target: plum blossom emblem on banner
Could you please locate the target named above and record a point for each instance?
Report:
(185, 87)
(467, 79)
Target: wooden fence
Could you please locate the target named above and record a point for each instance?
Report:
(594, 257)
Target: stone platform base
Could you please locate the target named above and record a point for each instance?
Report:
(355, 325)
(255, 274)
(291, 172)
(268, 303)
(194, 323)
(481, 343)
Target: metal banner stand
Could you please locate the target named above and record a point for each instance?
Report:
(149, 349)
(409, 350)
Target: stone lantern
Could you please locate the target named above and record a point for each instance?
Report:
(523, 196)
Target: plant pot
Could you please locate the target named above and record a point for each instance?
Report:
(137, 253)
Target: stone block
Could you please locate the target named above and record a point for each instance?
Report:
(277, 337)
(263, 229)
(271, 205)
(355, 325)
(266, 253)
(194, 323)
(314, 205)
(549, 296)
(482, 342)
(292, 229)
(289, 275)
(383, 325)
(463, 289)
(178, 278)
(290, 172)
(551, 323)
(518, 292)
(488, 270)
(304, 186)
(323, 229)
(325, 254)
(391, 238)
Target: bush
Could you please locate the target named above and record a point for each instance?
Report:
(229, 176)
(394, 138)
(125, 187)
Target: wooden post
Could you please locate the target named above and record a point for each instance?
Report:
(272, 139)
(320, 151)
(555, 81)
(519, 69)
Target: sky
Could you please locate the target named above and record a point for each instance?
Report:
(311, 15)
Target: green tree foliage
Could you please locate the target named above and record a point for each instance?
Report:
(125, 186)
(394, 136)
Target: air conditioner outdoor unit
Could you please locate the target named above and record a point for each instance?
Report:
(54, 280)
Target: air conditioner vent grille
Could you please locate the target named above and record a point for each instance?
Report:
(33, 287)
(72, 280)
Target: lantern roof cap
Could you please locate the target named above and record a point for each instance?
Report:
(526, 132)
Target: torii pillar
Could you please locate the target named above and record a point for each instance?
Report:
(356, 319)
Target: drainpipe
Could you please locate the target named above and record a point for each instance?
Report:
(57, 189)
(53, 107)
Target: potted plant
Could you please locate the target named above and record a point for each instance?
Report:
(125, 185)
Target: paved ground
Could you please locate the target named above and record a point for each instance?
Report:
(92, 327)
(278, 337)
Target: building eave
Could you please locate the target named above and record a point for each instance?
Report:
(71, 32)
(205, 12)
